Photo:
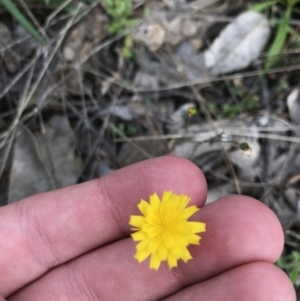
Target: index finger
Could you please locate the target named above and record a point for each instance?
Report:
(46, 230)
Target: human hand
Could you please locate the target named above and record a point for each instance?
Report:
(74, 244)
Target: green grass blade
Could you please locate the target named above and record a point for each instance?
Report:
(262, 6)
(22, 20)
(279, 40)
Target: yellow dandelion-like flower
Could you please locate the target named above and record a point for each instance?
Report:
(163, 230)
(192, 111)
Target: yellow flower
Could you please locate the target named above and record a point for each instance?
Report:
(163, 230)
(192, 111)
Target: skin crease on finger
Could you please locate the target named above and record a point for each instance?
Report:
(239, 230)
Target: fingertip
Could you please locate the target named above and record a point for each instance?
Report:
(263, 224)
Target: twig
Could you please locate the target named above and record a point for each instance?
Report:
(184, 84)
(231, 131)
(21, 73)
(26, 98)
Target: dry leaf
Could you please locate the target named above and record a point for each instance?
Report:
(28, 174)
(43, 162)
(145, 80)
(238, 45)
(293, 103)
(57, 151)
(219, 191)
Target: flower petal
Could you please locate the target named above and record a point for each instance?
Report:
(169, 217)
(184, 200)
(168, 239)
(182, 227)
(142, 245)
(177, 252)
(166, 196)
(142, 255)
(136, 221)
(139, 235)
(154, 244)
(197, 227)
(154, 202)
(188, 212)
(153, 231)
(164, 208)
(162, 251)
(152, 218)
(172, 262)
(180, 240)
(192, 239)
(143, 206)
(185, 255)
(154, 261)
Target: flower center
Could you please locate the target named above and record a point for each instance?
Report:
(165, 225)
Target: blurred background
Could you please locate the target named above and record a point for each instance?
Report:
(89, 87)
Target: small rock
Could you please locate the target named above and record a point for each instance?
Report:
(145, 80)
(153, 35)
(188, 28)
(74, 42)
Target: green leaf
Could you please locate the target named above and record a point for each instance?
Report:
(280, 262)
(22, 20)
(130, 22)
(109, 3)
(279, 40)
(121, 9)
(147, 11)
(251, 104)
(294, 274)
(121, 127)
(115, 27)
(262, 6)
(131, 130)
(296, 256)
(211, 107)
(128, 5)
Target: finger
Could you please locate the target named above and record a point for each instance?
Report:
(48, 229)
(257, 281)
(239, 230)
